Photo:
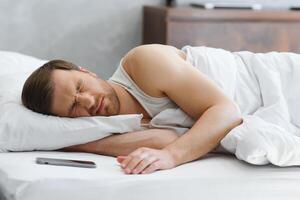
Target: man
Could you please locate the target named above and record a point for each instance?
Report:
(161, 78)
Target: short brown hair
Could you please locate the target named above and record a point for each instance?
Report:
(37, 93)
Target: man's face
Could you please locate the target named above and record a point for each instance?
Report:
(82, 94)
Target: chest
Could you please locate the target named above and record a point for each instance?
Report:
(134, 106)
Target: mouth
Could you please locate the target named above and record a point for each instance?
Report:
(99, 107)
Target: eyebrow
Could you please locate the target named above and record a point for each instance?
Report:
(78, 86)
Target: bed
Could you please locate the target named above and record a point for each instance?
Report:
(218, 176)
(215, 176)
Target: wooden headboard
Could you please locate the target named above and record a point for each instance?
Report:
(234, 30)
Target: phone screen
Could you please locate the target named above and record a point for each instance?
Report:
(65, 162)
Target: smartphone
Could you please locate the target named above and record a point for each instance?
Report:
(66, 162)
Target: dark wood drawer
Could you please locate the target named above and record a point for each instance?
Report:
(235, 31)
(236, 36)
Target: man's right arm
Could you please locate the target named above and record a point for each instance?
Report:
(124, 144)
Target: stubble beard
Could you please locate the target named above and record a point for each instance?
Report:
(113, 108)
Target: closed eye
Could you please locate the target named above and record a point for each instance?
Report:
(79, 89)
(80, 86)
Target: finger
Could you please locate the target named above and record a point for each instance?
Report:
(121, 158)
(143, 164)
(151, 168)
(125, 162)
(128, 158)
(135, 161)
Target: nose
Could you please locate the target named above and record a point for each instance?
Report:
(85, 100)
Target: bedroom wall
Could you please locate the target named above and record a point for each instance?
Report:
(91, 33)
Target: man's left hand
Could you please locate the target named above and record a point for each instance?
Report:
(146, 160)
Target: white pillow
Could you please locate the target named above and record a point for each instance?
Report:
(24, 130)
(12, 62)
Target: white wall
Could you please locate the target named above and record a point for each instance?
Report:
(92, 33)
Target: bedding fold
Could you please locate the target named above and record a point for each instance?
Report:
(265, 87)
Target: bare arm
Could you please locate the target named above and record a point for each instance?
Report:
(195, 93)
(206, 133)
(124, 144)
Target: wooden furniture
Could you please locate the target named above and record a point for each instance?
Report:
(234, 30)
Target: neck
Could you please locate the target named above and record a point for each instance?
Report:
(128, 104)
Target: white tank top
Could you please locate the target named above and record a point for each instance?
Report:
(153, 105)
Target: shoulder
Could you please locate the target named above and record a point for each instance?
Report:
(153, 61)
(149, 65)
(145, 53)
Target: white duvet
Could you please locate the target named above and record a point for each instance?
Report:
(266, 88)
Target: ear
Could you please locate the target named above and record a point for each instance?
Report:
(82, 69)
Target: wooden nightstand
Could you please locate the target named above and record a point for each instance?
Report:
(235, 30)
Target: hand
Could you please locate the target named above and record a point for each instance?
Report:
(146, 160)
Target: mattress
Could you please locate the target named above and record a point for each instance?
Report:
(216, 176)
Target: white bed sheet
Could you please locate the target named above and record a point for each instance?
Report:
(215, 177)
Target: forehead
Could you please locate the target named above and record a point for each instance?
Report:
(63, 79)
(64, 88)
